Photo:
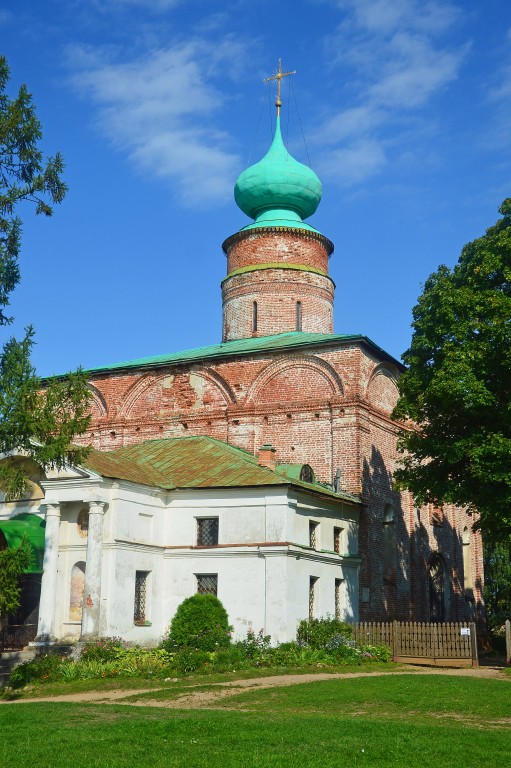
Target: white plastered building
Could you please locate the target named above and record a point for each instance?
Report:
(132, 534)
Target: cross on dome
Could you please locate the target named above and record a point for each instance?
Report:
(279, 74)
(278, 191)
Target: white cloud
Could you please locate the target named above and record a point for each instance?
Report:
(353, 163)
(160, 110)
(395, 58)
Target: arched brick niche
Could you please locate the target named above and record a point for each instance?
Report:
(382, 391)
(99, 409)
(157, 395)
(296, 379)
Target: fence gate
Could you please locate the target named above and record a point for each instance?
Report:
(442, 644)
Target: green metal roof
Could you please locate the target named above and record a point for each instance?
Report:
(193, 462)
(239, 347)
(292, 471)
(32, 527)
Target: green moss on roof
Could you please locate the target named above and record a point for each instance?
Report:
(292, 471)
(240, 347)
(192, 462)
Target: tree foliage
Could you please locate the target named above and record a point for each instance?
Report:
(38, 423)
(457, 386)
(497, 582)
(13, 563)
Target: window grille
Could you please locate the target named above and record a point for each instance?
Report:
(312, 590)
(207, 531)
(139, 612)
(338, 599)
(307, 474)
(207, 583)
(337, 540)
(313, 535)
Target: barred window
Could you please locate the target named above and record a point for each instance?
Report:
(140, 606)
(313, 535)
(338, 599)
(337, 540)
(312, 595)
(207, 531)
(207, 583)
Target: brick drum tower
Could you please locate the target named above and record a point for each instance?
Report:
(277, 267)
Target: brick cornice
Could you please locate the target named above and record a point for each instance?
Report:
(306, 234)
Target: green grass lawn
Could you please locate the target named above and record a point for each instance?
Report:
(413, 720)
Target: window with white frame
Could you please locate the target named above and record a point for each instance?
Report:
(313, 586)
(313, 534)
(141, 597)
(207, 583)
(338, 540)
(339, 607)
(207, 531)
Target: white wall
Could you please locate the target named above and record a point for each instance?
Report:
(263, 560)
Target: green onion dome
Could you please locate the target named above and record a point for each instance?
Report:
(278, 191)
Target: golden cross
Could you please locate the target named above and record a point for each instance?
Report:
(278, 77)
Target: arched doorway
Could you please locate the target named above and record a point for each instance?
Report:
(76, 591)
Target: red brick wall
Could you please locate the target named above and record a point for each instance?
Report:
(256, 247)
(276, 292)
(328, 407)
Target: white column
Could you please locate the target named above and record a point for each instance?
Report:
(46, 623)
(92, 587)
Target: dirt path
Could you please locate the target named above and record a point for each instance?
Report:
(208, 699)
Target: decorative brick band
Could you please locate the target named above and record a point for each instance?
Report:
(306, 234)
(276, 265)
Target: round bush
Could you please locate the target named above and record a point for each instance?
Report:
(201, 622)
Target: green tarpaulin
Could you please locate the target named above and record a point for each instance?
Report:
(33, 528)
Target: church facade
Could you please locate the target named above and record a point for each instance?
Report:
(281, 376)
(283, 386)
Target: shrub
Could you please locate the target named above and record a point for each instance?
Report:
(102, 649)
(45, 668)
(254, 646)
(201, 622)
(323, 633)
(189, 660)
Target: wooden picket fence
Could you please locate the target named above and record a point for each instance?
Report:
(442, 644)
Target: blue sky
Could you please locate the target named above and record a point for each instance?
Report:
(158, 105)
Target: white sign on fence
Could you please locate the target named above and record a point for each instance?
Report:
(465, 631)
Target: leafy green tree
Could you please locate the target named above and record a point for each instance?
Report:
(13, 563)
(457, 386)
(497, 582)
(38, 422)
